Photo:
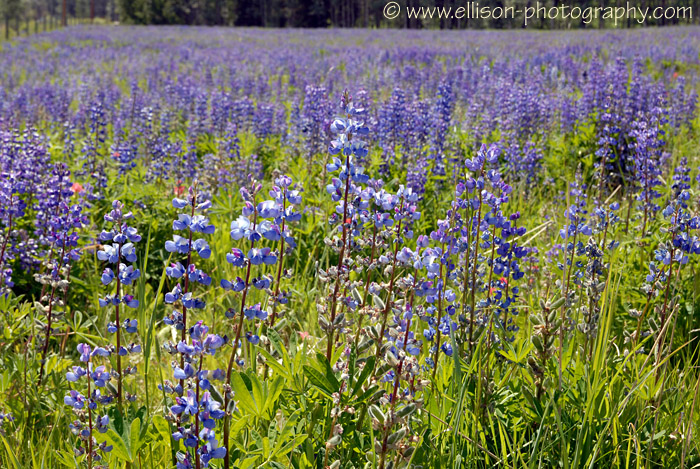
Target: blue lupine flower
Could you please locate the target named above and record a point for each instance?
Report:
(176, 270)
(122, 248)
(107, 276)
(197, 224)
(101, 424)
(261, 283)
(100, 376)
(255, 312)
(74, 399)
(261, 256)
(203, 407)
(268, 209)
(237, 286)
(130, 325)
(180, 373)
(109, 254)
(76, 374)
(241, 228)
(252, 338)
(188, 301)
(188, 405)
(236, 257)
(202, 248)
(179, 245)
(174, 295)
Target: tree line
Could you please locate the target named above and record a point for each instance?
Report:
(370, 13)
(25, 14)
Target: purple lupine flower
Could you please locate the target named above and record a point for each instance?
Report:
(96, 377)
(198, 402)
(119, 253)
(192, 224)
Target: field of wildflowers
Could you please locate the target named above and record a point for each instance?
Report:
(238, 248)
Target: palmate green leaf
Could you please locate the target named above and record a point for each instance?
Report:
(67, 458)
(509, 353)
(273, 391)
(236, 428)
(319, 381)
(253, 383)
(139, 436)
(255, 397)
(162, 430)
(243, 396)
(120, 447)
(279, 347)
(366, 371)
(289, 428)
(278, 368)
(330, 376)
(248, 463)
(134, 441)
(258, 440)
(369, 392)
(265, 447)
(283, 448)
(127, 437)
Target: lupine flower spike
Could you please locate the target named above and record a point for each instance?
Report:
(119, 251)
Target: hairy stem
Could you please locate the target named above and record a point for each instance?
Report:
(49, 319)
(336, 289)
(4, 247)
(196, 417)
(119, 343)
(234, 349)
(367, 282)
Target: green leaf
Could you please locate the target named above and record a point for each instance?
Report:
(120, 448)
(283, 449)
(138, 437)
(257, 393)
(369, 392)
(66, 458)
(319, 381)
(330, 376)
(238, 426)
(11, 454)
(274, 389)
(366, 371)
(258, 439)
(275, 365)
(278, 345)
(242, 395)
(162, 429)
(248, 463)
